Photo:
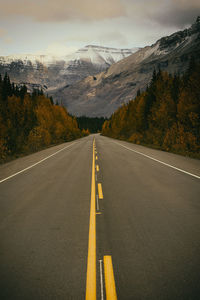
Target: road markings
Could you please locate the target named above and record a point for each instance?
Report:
(101, 277)
(96, 157)
(37, 163)
(159, 161)
(109, 278)
(100, 191)
(91, 262)
(97, 203)
(97, 168)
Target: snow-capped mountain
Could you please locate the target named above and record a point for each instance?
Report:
(101, 55)
(95, 54)
(51, 72)
(121, 81)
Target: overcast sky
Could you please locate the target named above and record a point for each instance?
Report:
(61, 26)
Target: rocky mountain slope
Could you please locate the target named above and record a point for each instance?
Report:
(102, 94)
(53, 72)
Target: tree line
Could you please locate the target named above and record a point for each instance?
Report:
(166, 115)
(31, 121)
(91, 125)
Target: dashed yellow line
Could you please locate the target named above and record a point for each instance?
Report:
(91, 262)
(100, 191)
(96, 157)
(111, 293)
(97, 168)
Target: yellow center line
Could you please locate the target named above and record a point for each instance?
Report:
(96, 157)
(97, 168)
(100, 191)
(91, 262)
(109, 278)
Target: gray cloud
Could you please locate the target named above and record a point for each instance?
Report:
(116, 23)
(113, 37)
(4, 36)
(101, 34)
(165, 13)
(62, 10)
(177, 18)
(178, 13)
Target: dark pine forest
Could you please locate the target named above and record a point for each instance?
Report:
(165, 116)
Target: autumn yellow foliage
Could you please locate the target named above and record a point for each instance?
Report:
(29, 122)
(166, 115)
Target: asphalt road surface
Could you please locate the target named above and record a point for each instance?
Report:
(129, 214)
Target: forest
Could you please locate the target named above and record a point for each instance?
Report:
(90, 124)
(165, 116)
(30, 121)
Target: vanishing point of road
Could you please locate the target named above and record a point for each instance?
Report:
(97, 219)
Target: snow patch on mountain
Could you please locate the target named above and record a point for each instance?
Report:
(94, 54)
(99, 55)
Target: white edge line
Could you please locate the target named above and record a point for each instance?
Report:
(161, 162)
(37, 163)
(97, 203)
(101, 277)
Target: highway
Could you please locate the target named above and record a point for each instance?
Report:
(98, 219)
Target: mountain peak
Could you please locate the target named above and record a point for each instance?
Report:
(180, 37)
(101, 55)
(96, 47)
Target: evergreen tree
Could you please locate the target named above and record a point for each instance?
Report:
(166, 115)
